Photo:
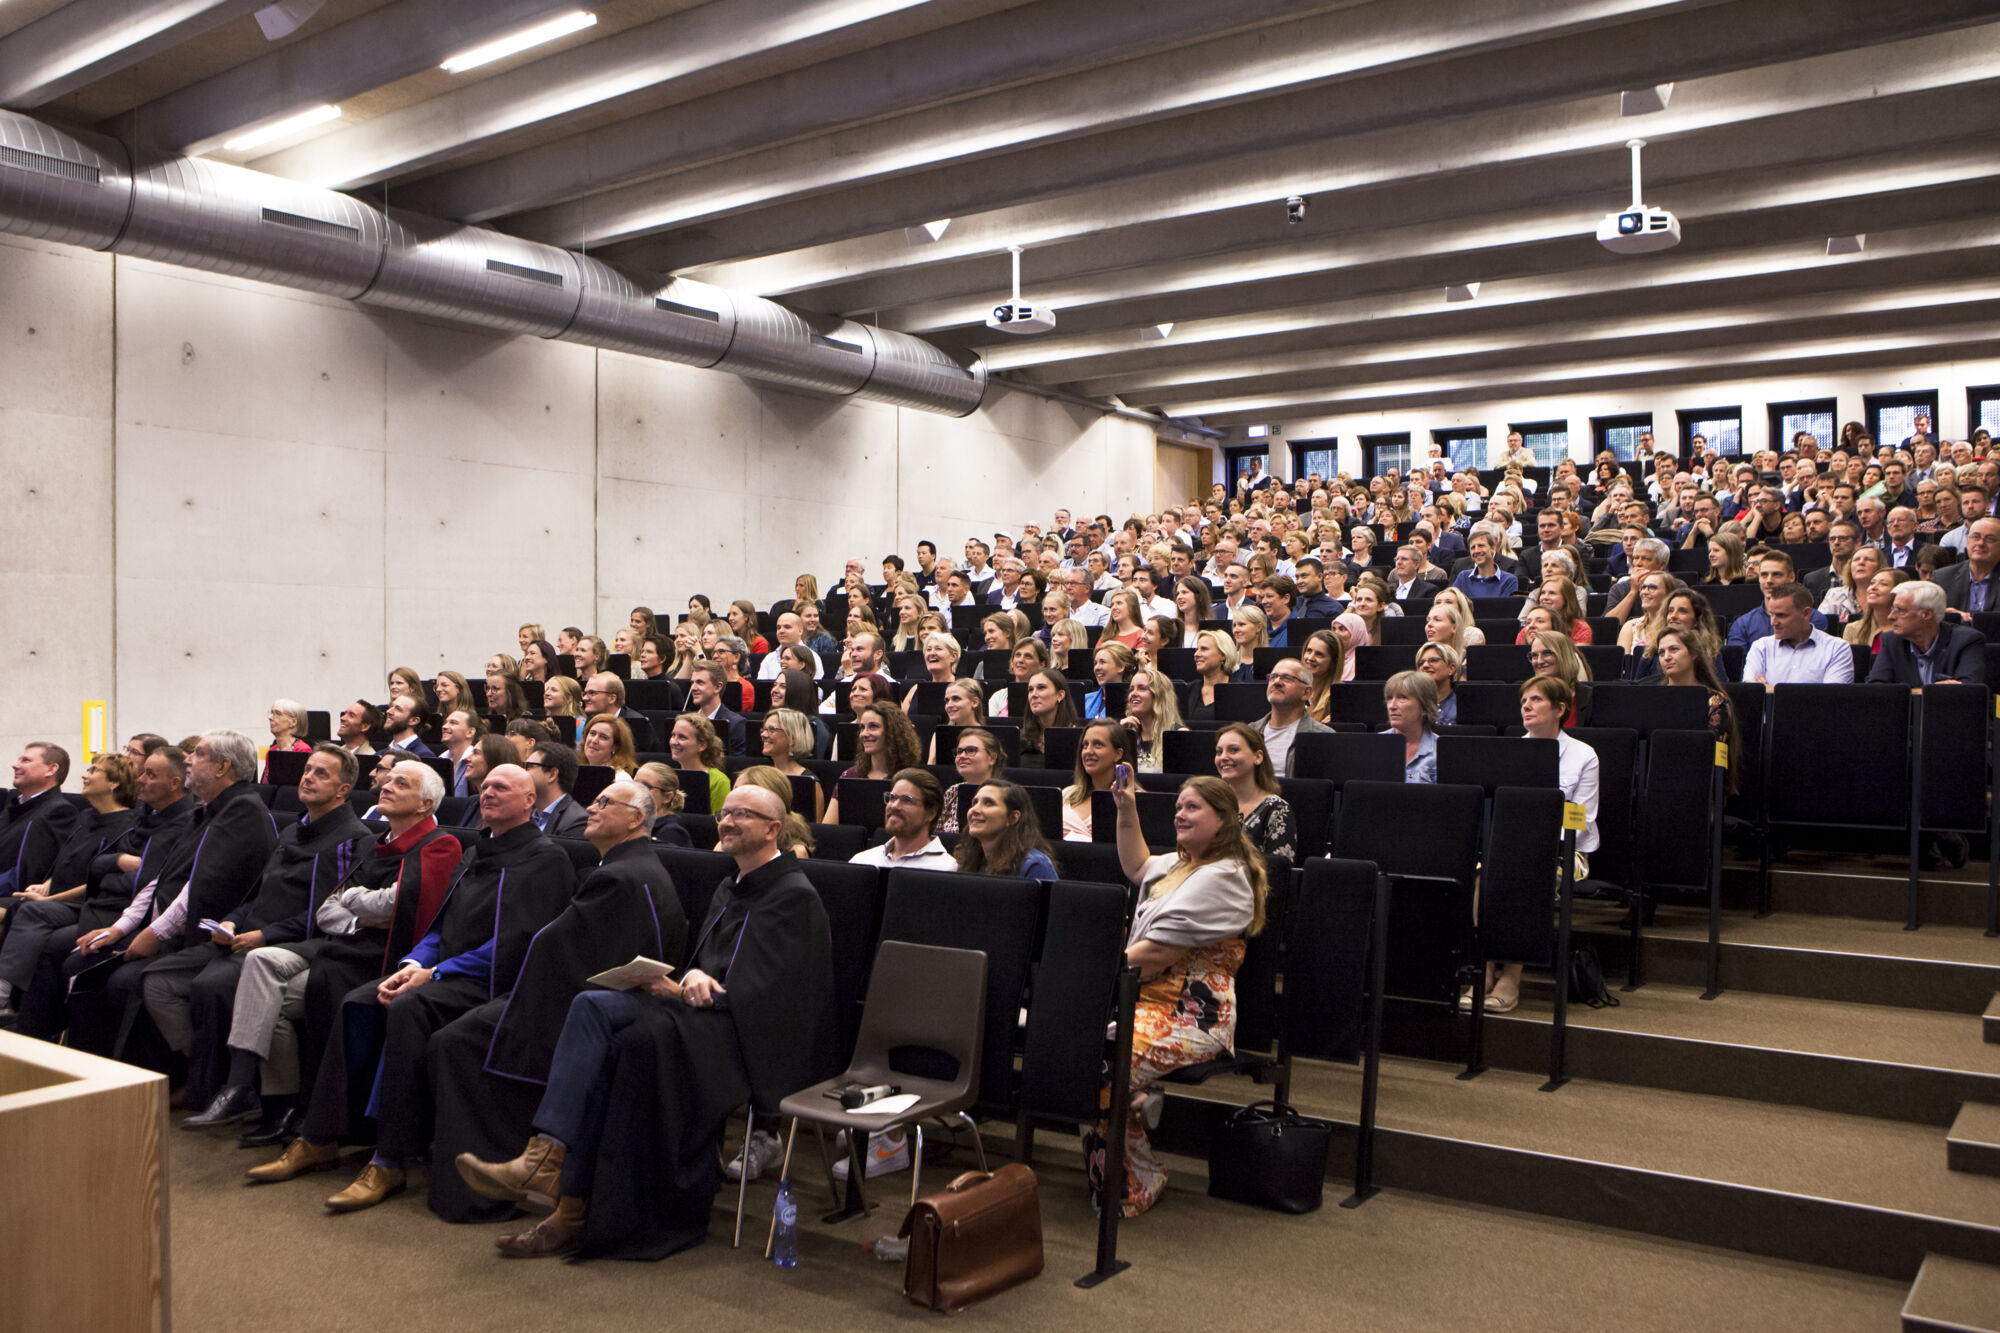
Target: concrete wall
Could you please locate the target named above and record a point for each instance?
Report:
(221, 493)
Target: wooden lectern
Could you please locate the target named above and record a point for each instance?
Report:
(83, 1192)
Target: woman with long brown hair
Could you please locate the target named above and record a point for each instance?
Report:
(1198, 904)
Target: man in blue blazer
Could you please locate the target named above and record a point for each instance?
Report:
(1923, 648)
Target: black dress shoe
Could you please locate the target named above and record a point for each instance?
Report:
(232, 1104)
(275, 1131)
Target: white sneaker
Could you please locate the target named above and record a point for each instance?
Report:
(765, 1151)
(884, 1155)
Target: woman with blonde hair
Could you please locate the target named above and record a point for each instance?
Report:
(1251, 632)
(1558, 596)
(668, 801)
(1444, 624)
(1066, 637)
(562, 696)
(404, 680)
(787, 733)
(453, 691)
(687, 651)
(1151, 711)
(1445, 665)
(941, 654)
(1551, 653)
(1878, 599)
(908, 634)
(805, 588)
(607, 741)
(1198, 905)
(1643, 629)
(527, 634)
(964, 706)
(1473, 635)
(694, 747)
(1111, 664)
(1216, 662)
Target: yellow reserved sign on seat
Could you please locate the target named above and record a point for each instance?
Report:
(1574, 818)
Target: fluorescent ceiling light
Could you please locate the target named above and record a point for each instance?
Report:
(1847, 245)
(562, 26)
(927, 232)
(1461, 291)
(281, 129)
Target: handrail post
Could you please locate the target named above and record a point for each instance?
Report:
(1718, 797)
(1371, 1050)
(1916, 805)
(1559, 1031)
(1111, 1190)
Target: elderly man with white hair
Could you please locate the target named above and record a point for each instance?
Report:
(1923, 648)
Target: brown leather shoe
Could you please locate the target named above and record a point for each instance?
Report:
(299, 1158)
(532, 1178)
(375, 1183)
(561, 1232)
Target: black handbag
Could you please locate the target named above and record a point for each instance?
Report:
(1268, 1155)
(1586, 980)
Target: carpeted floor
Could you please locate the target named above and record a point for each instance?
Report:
(270, 1258)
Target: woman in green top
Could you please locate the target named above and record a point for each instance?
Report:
(694, 746)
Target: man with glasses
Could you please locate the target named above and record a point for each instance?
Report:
(1842, 536)
(489, 1066)
(553, 768)
(1923, 648)
(910, 812)
(512, 883)
(1287, 690)
(1970, 586)
(1081, 609)
(650, 1075)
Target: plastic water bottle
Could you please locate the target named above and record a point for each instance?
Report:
(785, 1246)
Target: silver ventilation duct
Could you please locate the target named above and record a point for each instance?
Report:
(83, 189)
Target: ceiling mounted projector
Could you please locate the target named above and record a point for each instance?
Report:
(1018, 316)
(1639, 229)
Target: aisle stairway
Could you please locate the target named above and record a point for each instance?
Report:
(1837, 1104)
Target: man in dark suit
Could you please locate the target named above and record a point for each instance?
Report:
(35, 820)
(1841, 539)
(1923, 648)
(1970, 586)
(1407, 583)
(404, 718)
(553, 767)
(705, 697)
(1900, 539)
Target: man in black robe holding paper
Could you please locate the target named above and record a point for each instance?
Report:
(643, 1080)
(511, 883)
(489, 1069)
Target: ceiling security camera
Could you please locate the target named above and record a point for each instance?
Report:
(1295, 209)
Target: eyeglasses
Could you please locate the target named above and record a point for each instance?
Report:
(973, 749)
(605, 803)
(899, 800)
(537, 763)
(736, 812)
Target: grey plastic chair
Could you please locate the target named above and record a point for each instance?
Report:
(919, 996)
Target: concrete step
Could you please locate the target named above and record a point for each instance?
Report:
(1866, 1195)
(1953, 968)
(1825, 884)
(1913, 1065)
(1953, 1296)
(1989, 1022)
(1974, 1141)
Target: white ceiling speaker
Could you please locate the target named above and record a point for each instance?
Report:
(1462, 291)
(1018, 316)
(286, 17)
(1847, 245)
(1639, 229)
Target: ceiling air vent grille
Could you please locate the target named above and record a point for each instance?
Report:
(49, 166)
(691, 311)
(300, 222)
(540, 275)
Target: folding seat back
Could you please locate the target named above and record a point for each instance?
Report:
(997, 916)
(1674, 837)
(1618, 775)
(1517, 885)
(1074, 982)
(1381, 661)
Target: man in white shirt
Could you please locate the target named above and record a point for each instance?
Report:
(791, 628)
(978, 570)
(955, 589)
(1225, 556)
(1145, 583)
(1235, 586)
(1795, 652)
(1081, 608)
(909, 812)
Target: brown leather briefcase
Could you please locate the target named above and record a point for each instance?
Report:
(981, 1235)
